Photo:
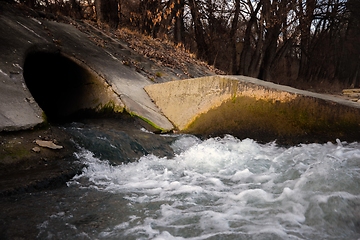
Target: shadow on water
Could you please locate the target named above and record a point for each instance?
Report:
(27, 216)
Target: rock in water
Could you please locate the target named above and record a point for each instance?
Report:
(48, 144)
(36, 149)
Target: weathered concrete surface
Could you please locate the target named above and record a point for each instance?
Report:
(248, 107)
(21, 35)
(17, 108)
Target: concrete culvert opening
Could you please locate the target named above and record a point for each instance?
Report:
(64, 87)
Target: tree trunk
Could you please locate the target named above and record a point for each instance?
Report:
(75, 9)
(306, 17)
(269, 55)
(247, 50)
(30, 3)
(107, 12)
(273, 12)
(233, 38)
(199, 31)
(179, 28)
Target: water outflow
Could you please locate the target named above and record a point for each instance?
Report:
(225, 188)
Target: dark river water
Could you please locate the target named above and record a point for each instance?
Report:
(138, 185)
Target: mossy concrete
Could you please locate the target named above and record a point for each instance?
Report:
(248, 107)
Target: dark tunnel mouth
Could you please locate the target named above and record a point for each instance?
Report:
(64, 89)
(55, 83)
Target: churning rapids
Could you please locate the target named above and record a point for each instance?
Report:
(218, 188)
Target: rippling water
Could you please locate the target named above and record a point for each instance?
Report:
(219, 188)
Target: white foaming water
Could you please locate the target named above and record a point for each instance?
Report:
(224, 188)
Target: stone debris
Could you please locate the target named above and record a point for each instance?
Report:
(353, 94)
(48, 144)
(36, 149)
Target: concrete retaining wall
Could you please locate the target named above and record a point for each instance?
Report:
(248, 107)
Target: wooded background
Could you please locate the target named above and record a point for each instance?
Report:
(307, 41)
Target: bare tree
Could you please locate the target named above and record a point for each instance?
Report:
(248, 55)
(306, 16)
(307, 40)
(107, 12)
(232, 36)
(178, 16)
(202, 48)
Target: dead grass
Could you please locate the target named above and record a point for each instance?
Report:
(162, 52)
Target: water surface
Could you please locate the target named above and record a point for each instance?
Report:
(225, 188)
(218, 188)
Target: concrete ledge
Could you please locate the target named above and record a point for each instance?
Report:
(248, 107)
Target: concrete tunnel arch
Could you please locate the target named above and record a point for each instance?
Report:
(62, 85)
